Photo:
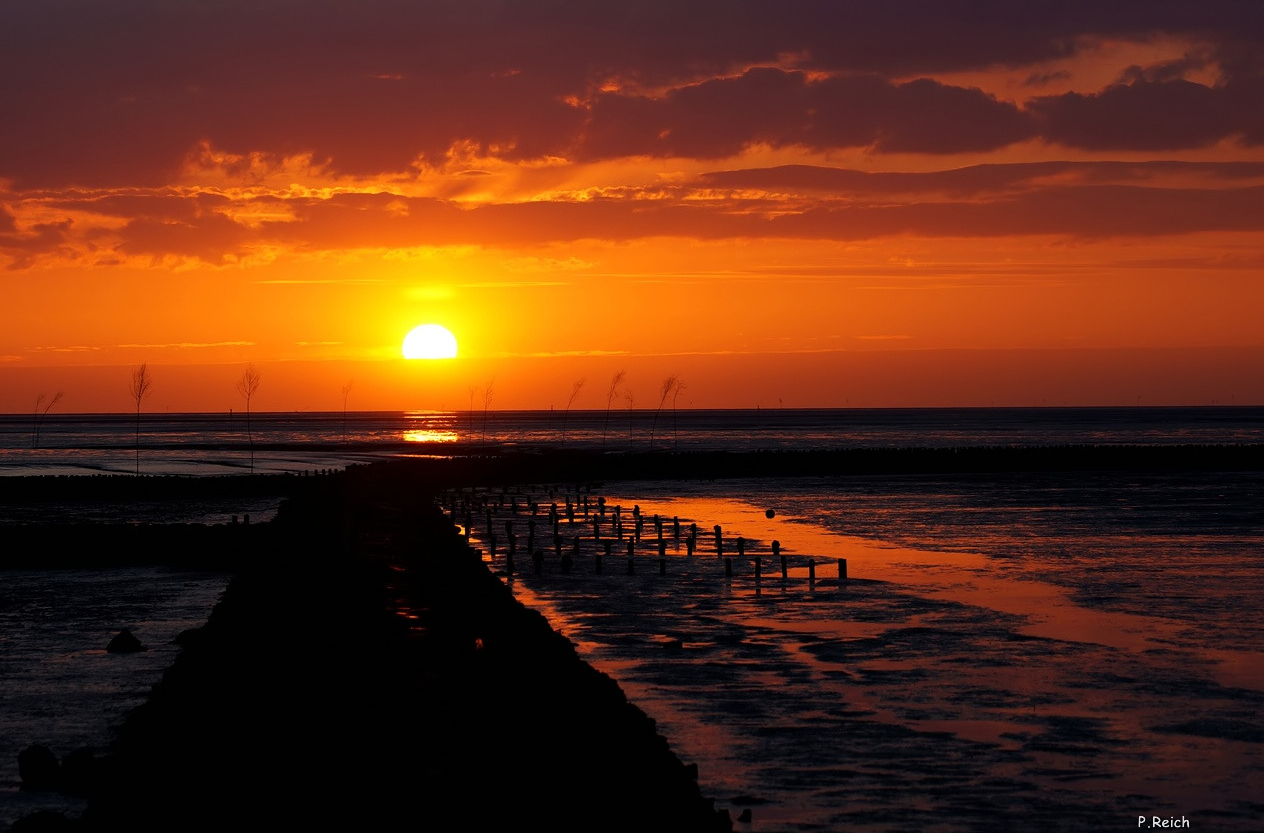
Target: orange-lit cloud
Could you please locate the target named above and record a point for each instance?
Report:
(235, 182)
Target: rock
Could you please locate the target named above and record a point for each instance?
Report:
(38, 768)
(124, 642)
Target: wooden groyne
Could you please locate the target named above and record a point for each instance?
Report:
(578, 532)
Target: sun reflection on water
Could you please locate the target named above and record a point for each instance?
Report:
(429, 435)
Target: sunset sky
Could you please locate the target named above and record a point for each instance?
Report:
(793, 204)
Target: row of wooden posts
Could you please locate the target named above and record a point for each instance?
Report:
(466, 504)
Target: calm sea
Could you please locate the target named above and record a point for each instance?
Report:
(224, 443)
(1055, 652)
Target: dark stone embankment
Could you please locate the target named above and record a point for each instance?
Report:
(363, 671)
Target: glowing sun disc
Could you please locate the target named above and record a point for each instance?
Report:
(429, 341)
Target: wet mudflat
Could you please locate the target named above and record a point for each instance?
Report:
(1053, 675)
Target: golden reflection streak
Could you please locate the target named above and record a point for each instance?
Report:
(429, 435)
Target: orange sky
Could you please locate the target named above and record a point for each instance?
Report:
(906, 203)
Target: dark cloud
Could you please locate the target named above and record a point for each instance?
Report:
(212, 238)
(119, 93)
(720, 117)
(1145, 115)
(386, 221)
(1080, 199)
(159, 206)
(24, 250)
(967, 182)
(929, 117)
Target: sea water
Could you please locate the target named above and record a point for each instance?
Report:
(1054, 652)
(59, 687)
(201, 444)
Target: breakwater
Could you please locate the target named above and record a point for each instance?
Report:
(365, 670)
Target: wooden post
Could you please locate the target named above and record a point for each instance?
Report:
(812, 571)
(759, 569)
(662, 548)
(728, 568)
(509, 563)
(631, 566)
(842, 571)
(688, 546)
(741, 547)
(719, 540)
(597, 562)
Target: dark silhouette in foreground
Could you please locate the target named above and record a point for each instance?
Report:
(364, 670)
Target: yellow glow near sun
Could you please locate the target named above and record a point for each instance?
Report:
(429, 341)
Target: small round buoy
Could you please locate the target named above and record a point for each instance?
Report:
(770, 514)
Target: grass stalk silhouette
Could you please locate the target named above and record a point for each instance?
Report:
(346, 392)
(247, 385)
(141, 385)
(665, 390)
(40, 414)
(487, 403)
(615, 381)
(575, 389)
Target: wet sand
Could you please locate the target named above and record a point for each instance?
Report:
(938, 689)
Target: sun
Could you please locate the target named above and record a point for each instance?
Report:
(429, 341)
